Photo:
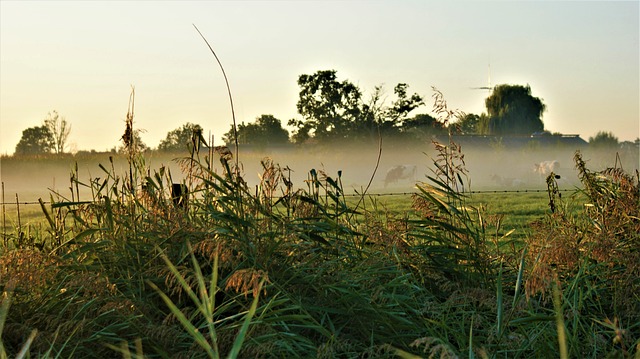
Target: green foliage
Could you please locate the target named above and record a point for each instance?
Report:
(512, 110)
(604, 139)
(395, 116)
(469, 124)
(266, 130)
(422, 126)
(35, 141)
(335, 111)
(181, 139)
(328, 106)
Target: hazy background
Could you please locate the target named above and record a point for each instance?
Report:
(80, 58)
(31, 178)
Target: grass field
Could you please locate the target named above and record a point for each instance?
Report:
(515, 210)
(267, 270)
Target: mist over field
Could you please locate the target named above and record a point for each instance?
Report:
(489, 168)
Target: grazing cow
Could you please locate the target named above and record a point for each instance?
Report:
(544, 168)
(401, 172)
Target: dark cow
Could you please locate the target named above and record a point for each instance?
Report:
(399, 173)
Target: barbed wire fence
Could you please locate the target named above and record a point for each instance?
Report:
(6, 206)
(384, 194)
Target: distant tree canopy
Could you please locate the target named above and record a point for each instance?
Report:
(35, 141)
(51, 136)
(422, 126)
(512, 110)
(604, 139)
(469, 124)
(181, 139)
(266, 130)
(333, 111)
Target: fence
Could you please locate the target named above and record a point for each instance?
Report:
(389, 194)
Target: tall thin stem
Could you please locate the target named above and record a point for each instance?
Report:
(233, 113)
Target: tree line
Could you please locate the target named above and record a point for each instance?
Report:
(337, 111)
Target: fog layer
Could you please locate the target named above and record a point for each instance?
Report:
(489, 169)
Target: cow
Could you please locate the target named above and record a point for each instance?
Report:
(544, 168)
(400, 172)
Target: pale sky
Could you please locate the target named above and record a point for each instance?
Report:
(81, 58)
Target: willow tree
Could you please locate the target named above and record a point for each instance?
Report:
(512, 110)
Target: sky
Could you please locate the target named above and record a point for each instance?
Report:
(81, 58)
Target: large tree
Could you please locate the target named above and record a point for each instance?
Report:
(334, 110)
(34, 141)
(181, 139)
(512, 110)
(59, 128)
(266, 130)
(329, 107)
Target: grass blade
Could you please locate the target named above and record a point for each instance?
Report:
(499, 307)
(237, 344)
(517, 293)
(471, 355)
(562, 337)
(186, 324)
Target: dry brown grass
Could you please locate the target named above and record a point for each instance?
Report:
(600, 244)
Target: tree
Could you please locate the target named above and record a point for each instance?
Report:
(422, 125)
(34, 141)
(603, 139)
(329, 107)
(469, 124)
(59, 128)
(181, 138)
(393, 119)
(334, 110)
(401, 107)
(512, 110)
(267, 130)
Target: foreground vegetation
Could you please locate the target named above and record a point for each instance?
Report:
(224, 269)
